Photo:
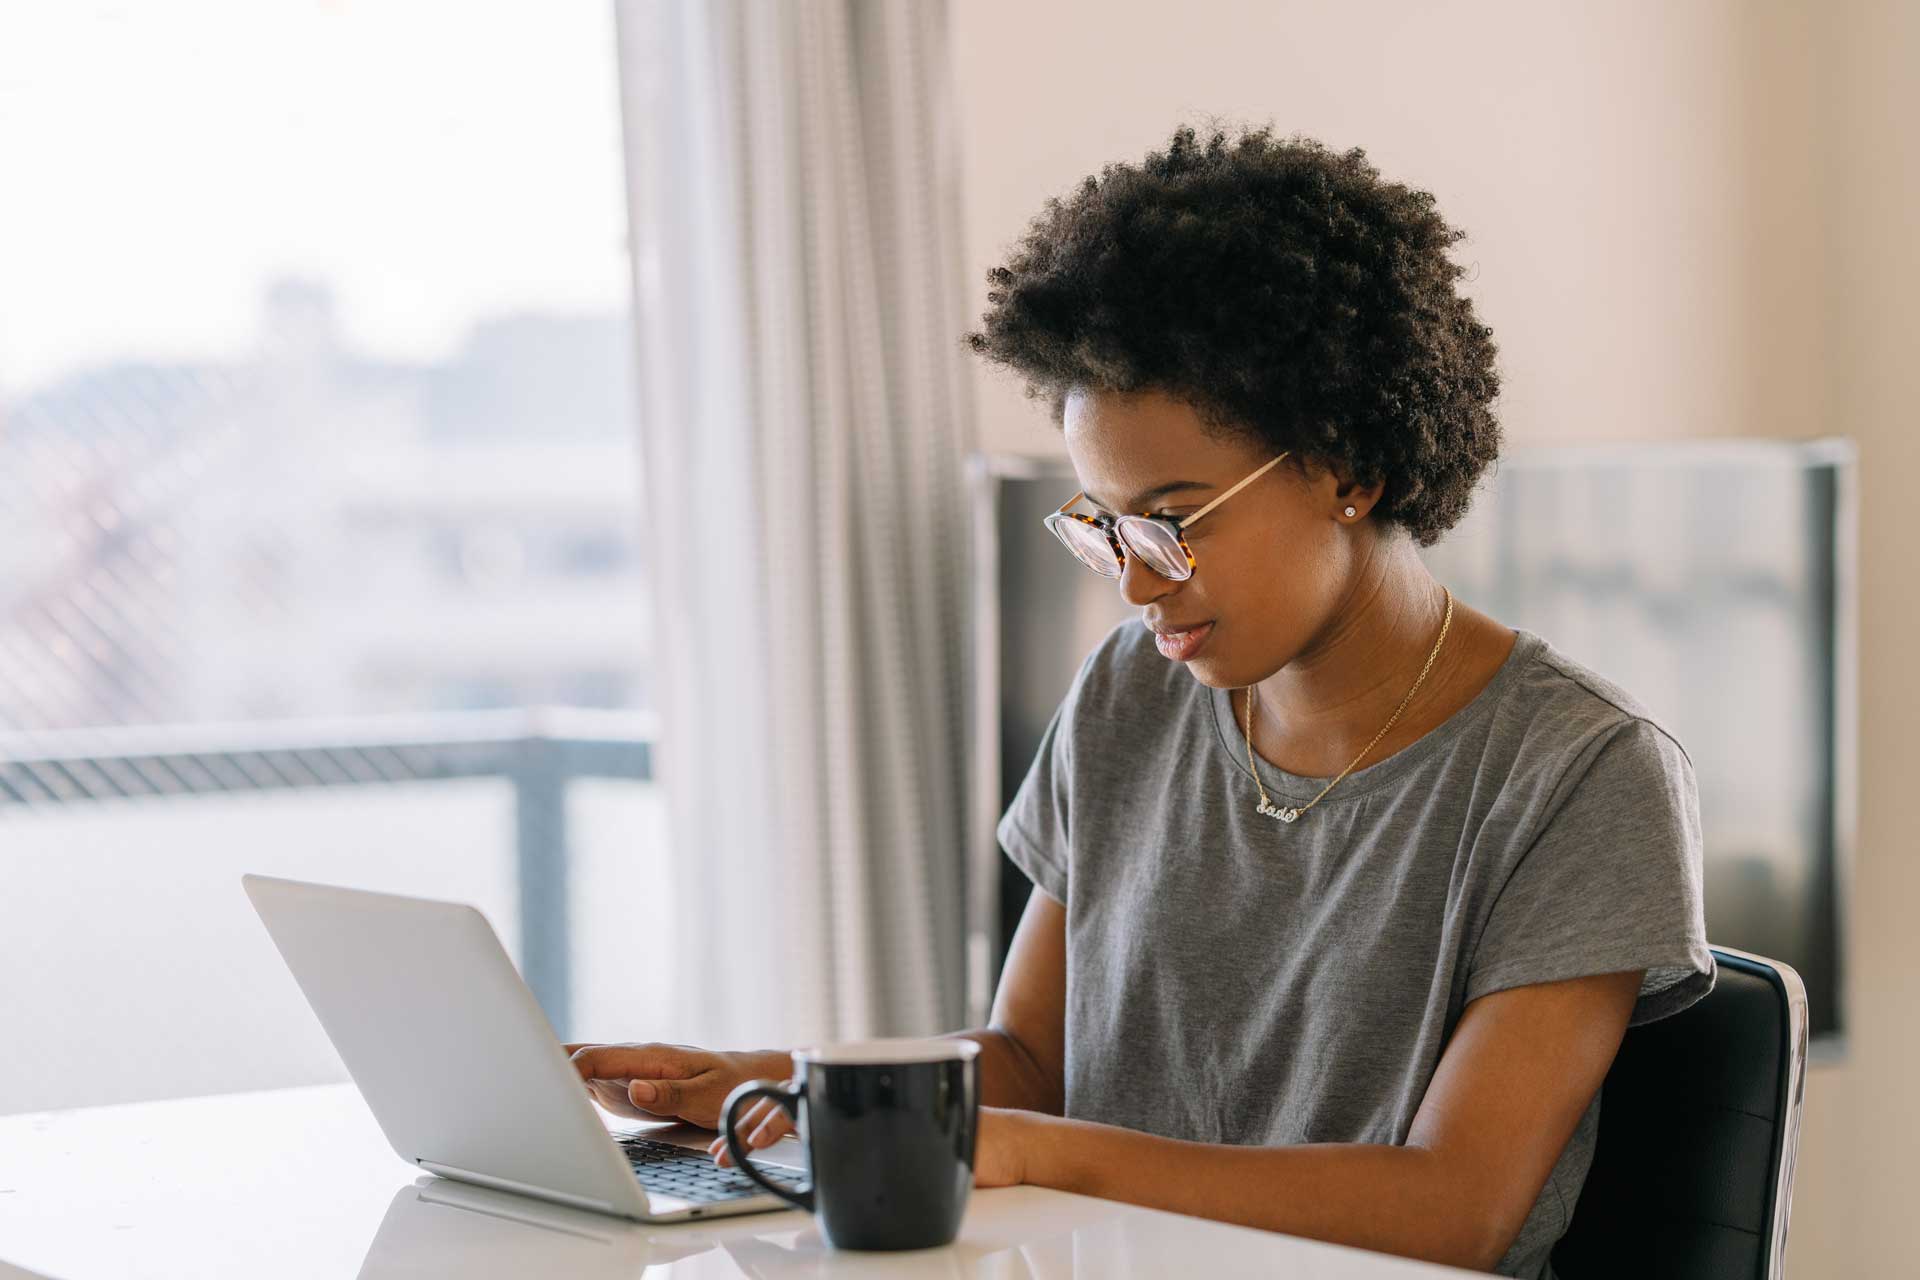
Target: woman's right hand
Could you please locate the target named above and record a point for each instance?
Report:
(672, 1081)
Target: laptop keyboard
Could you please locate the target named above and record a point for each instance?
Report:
(691, 1175)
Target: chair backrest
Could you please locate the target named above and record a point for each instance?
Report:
(1692, 1175)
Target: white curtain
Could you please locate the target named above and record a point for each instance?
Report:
(792, 182)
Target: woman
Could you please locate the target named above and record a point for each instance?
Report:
(1346, 891)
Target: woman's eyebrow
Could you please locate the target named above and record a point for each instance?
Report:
(1142, 501)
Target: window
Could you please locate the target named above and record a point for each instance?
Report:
(315, 408)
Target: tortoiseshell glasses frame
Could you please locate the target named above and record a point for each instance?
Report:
(1101, 542)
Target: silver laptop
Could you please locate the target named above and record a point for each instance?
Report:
(462, 1070)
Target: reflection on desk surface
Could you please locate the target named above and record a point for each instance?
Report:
(436, 1227)
(188, 1187)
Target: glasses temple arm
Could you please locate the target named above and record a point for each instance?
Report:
(1228, 494)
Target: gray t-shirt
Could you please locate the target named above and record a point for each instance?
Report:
(1234, 979)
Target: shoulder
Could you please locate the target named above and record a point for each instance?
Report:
(1562, 719)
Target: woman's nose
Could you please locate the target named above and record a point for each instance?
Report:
(1140, 585)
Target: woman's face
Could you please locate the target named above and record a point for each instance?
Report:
(1271, 563)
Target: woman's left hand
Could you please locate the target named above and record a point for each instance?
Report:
(1000, 1147)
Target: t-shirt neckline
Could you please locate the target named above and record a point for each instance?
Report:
(1298, 789)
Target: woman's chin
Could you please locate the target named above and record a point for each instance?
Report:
(1207, 670)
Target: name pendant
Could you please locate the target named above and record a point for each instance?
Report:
(1274, 811)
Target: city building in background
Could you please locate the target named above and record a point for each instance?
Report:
(307, 531)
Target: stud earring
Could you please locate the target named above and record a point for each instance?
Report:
(1349, 511)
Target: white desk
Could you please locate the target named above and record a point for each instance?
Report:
(299, 1182)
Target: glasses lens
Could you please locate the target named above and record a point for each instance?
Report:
(1088, 544)
(1157, 546)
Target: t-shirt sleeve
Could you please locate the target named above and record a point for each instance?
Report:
(1033, 830)
(1611, 882)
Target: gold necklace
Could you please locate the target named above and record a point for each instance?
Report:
(1290, 814)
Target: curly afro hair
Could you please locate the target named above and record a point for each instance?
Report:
(1282, 290)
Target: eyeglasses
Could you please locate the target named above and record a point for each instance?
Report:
(1101, 542)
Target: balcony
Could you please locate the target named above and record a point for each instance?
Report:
(129, 945)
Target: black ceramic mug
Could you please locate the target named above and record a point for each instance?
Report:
(889, 1128)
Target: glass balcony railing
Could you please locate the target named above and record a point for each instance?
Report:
(134, 967)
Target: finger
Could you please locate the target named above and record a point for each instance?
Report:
(614, 1099)
(749, 1120)
(573, 1049)
(771, 1130)
(631, 1062)
(765, 1117)
(746, 1126)
(609, 1092)
(665, 1097)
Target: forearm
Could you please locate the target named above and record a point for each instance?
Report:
(1401, 1200)
(1010, 1075)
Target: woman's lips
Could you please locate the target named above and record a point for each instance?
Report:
(1180, 646)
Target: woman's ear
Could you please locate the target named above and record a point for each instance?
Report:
(1356, 500)
(1341, 492)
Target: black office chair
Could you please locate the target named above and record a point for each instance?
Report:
(1692, 1176)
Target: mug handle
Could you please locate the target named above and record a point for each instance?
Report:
(789, 1102)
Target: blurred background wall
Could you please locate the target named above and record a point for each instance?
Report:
(1683, 220)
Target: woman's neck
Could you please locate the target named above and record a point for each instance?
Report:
(1315, 714)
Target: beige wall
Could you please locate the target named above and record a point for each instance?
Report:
(1683, 220)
